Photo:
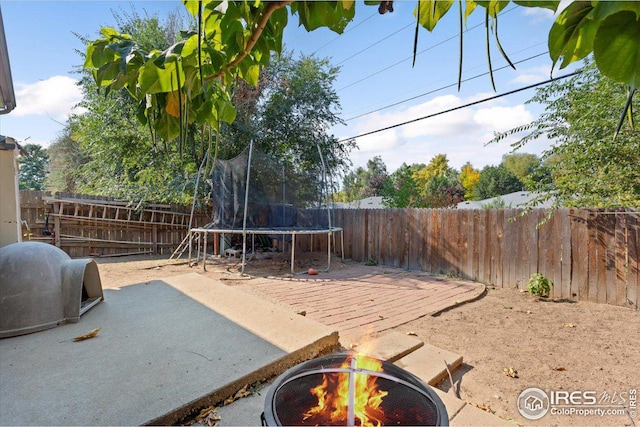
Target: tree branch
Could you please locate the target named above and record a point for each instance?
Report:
(271, 7)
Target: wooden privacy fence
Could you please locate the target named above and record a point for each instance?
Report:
(590, 255)
(90, 226)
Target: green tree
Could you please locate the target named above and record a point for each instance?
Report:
(444, 191)
(585, 167)
(401, 190)
(369, 182)
(495, 181)
(66, 162)
(193, 80)
(32, 170)
(298, 103)
(522, 165)
(438, 167)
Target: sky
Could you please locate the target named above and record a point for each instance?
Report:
(377, 84)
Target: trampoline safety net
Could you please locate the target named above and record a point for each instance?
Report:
(277, 195)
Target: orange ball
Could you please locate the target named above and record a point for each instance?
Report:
(312, 272)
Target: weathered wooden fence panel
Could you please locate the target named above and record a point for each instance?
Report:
(85, 226)
(589, 255)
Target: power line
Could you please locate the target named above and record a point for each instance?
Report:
(340, 35)
(491, 98)
(410, 58)
(442, 88)
(376, 43)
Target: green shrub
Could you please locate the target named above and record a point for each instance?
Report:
(539, 285)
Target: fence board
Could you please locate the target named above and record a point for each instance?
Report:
(427, 231)
(620, 256)
(436, 242)
(483, 249)
(510, 251)
(497, 222)
(633, 277)
(610, 221)
(579, 255)
(593, 249)
(463, 245)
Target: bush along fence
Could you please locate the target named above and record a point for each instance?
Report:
(589, 255)
(92, 226)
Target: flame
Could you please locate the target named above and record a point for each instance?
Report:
(333, 395)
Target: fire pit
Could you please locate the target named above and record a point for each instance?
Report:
(350, 389)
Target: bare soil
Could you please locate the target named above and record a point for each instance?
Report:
(553, 345)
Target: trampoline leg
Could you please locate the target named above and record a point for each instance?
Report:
(342, 243)
(190, 241)
(329, 251)
(293, 251)
(204, 254)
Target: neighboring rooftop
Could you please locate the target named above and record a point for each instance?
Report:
(513, 200)
(368, 203)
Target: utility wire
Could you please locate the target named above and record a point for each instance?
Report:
(376, 43)
(442, 88)
(410, 58)
(340, 35)
(491, 98)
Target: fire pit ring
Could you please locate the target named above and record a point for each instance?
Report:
(394, 396)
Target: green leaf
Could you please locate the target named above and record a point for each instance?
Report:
(155, 79)
(167, 126)
(547, 4)
(572, 34)
(317, 14)
(468, 10)
(606, 8)
(430, 12)
(616, 48)
(494, 7)
(226, 110)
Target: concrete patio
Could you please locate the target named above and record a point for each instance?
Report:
(165, 348)
(168, 348)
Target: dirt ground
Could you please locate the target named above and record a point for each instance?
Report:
(559, 346)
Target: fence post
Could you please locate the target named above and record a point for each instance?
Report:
(154, 238)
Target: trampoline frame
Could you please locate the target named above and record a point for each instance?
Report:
(203, 231)
(293, 231)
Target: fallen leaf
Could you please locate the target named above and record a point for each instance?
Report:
(381, 316)
(486, 408)
(510, 372)
(239, 395)
(353, 345)
(208, 416)
(508, 307)
(90, 335)
(301, 312)
(569, 325)
(529, 311)
(412, 333)
(559, 368)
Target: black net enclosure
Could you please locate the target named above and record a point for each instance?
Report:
(258, 201)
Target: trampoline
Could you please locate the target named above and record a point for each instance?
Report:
(258, 198)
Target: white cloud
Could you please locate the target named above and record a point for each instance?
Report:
(500, 119)
(461, 134)
(533, 75)
(538, 13)
(54, 97)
